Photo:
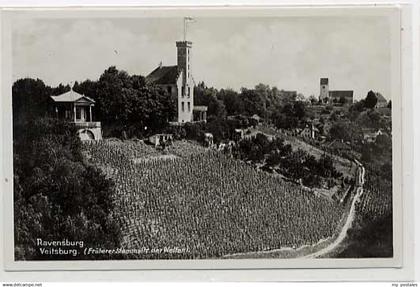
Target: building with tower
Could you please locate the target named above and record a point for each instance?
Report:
(178, 82)
(323, 93)
(334, 96)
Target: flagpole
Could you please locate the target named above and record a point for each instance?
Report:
(185, 29)
(186, 20)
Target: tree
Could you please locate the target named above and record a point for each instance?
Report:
(208, 97)
(340, 131)
(232, 101)
(129, 104)
(389, 104)
(30, 99)
(299, 110)
(300, 97)
(290, 115)
(313, 99)
(60, 89)
(254, 102)
(87, 88)
(56, 194)
(371, 100)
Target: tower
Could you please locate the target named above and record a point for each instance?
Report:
(324, 90)
(185, 94)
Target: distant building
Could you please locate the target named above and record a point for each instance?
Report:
(370, 135)
(323, 93)
(310, 131)
(178, 82)
(200, 113)
(334, 96)
(159, 139)
(382, 102)
(77, 109)
(344, 97)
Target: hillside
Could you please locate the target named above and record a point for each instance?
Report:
(206, 204)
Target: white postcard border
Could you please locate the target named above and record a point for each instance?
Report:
(398, 133)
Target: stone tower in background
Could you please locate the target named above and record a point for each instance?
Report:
(324, 90)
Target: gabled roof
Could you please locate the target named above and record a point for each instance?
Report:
(70, 97)
(163, 75)
(380, 97)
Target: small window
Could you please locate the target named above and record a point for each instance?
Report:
(183, 91)
(189, 106)
(182, 106)
(169, 89)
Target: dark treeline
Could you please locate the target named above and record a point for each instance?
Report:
(127, 103)
(279, 107)
(123, 102)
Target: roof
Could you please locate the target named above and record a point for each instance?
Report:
(283, 92)
(380, 97)
(163, 75)
(324, 81)
(200, 108)
(70, 97)
(342, 93)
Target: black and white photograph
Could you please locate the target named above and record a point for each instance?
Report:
(193, 137)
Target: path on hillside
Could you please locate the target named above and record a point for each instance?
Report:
(330, 247)
(349, 221)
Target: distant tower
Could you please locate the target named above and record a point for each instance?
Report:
(324, 91)
(185, 97)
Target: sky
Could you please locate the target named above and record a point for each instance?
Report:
(291, 53)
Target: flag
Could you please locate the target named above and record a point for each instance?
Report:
(186, 21)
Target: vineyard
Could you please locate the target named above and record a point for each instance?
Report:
(372, 231)
(376, 201)
(206, 203)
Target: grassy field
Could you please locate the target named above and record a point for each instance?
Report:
(191, 202)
